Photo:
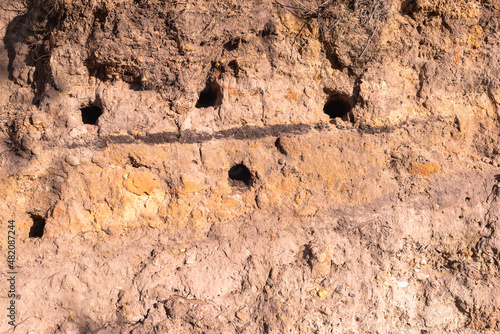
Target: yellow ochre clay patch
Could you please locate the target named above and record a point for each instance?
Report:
(291, 95)
(475, 37)
(424, 168)
(141, 183)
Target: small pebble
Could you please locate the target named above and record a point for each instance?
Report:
(322, 293)
(77, 132)
(72, 160)
(242, 315)
(435, 284)
(422, 276)
(352, 295)
(99, 161)
(402, 284)
(190, 258)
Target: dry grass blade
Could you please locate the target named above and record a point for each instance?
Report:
(329, 13)
(370, 39)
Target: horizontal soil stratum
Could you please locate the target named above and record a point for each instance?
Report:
(261, 166)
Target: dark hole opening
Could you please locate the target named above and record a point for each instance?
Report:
(101, 16)
(337, 107)
(37, 229)
(233, 65)
(91, 114)
(211, 96)
(241, 174)
(408, 7)
(232, 44)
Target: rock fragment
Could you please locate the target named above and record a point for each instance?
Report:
(72, 160)
(318, 258)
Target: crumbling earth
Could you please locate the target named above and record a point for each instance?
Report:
(251, 167)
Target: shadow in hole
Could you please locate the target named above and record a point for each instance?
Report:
(337, 108)
(240, 175)
(38, 227)
(91, 114)
(210, 96)
(338, 105)
(408, 7)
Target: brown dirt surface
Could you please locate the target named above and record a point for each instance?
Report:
(271, 166)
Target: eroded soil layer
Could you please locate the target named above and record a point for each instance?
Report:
(251, 167)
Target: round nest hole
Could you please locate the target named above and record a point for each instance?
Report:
(211, 96)
(38, 227)
(240, 175)
(337, 106)
(91, 114)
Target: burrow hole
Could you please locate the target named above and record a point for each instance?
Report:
(211, 96)
(91, 114)
(232, 44)
(38, 227)
(339, 106)
(240, 175)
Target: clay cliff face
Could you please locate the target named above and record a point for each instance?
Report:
(252, 167)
